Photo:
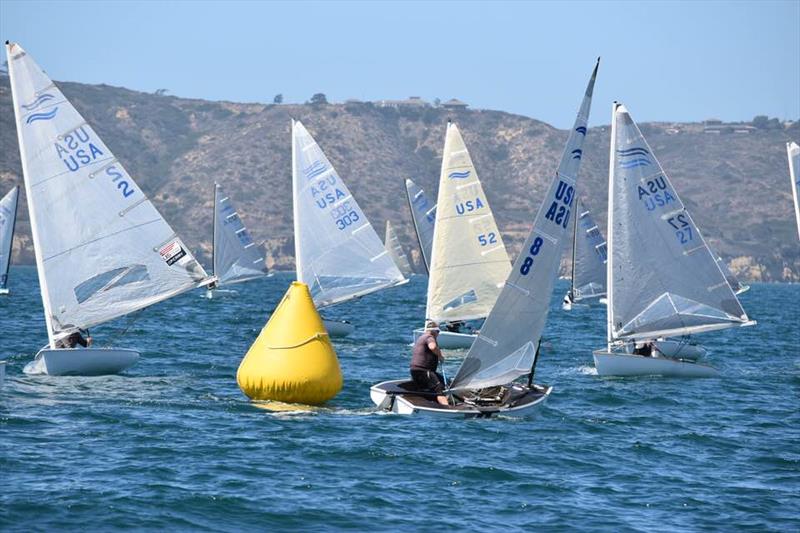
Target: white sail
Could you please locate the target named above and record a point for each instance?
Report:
(588, 258)
(338, 254)
(737, 287)
(102, 249)
(423, 213)
(236, 256)
(469, 262)
(506, 345)
(793, 151)
(8, 217)
(663, 280)
(395, 249)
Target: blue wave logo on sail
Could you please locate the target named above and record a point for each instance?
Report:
(634, 157)
(41, 116)
(38, 102)
(577, 153)
(316, 168)
(581, 130)
(459, 175)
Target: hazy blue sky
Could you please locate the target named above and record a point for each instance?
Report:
(666, 60)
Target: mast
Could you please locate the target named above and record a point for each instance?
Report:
(31, 209)
(612, 161)
(575, 218)
(297, 268)
(416, 231)
(214, 234)
(13, 227)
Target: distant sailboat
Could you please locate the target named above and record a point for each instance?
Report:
(588, 280)
(736, 285)
(423, 214)
(395, 249)
(469, 262)
(8, 218)
(507, 346)
(793, 152)
(337, 252)
(663, 280)
(236, 258)
(102, 249)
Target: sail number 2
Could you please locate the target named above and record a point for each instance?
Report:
(536, 246)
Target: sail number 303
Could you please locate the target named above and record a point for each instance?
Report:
(527, 264)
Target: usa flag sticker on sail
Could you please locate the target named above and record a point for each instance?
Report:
(172, 252)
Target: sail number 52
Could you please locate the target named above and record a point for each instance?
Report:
(534, 251)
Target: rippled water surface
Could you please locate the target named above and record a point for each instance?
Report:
(173, 444)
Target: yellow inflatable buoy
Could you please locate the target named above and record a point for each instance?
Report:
(292, 360)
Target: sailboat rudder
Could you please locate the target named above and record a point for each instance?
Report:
(292, 360)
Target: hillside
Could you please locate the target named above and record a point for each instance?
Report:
(735, 185)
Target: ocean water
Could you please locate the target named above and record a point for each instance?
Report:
(173, 444)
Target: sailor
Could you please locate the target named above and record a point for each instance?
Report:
(74, 339)
(425, 360)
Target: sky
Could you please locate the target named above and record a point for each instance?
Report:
(667, 61)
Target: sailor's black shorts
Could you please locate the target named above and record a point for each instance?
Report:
(427, 380)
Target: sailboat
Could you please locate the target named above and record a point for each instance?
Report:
(337, 252)
(396, 252)
(235, 256)
(469, 262)
(423, 214)
(737, 286)
(663, 280)
(588, 280)
(102, 249)
(8, 218)
(793, 152)
(507, 346)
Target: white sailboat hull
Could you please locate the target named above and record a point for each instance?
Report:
(81, 361)
(388, 396)
(4, 292)
(218, 294)
(338, 328)
(626, 365)
(682, 350)
(2, 373)
(450, 340)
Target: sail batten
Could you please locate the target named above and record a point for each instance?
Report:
(84, 229)
(517, 319)
(663, 278)
(337, 252)
(467, 254)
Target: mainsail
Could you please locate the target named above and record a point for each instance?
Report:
(8, 216)
(469, 262)
(663, 280)
(236, 256)
(102, 249)
(793, 151)
(588, 258)
(423, 213)
(506, 345)
(338, 254)
(395, 249)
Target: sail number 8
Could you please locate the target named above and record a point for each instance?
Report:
(528, 263)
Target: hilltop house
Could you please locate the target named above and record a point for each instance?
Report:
(454, 104)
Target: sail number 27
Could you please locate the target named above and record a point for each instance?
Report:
(683, 228)
(536, 246)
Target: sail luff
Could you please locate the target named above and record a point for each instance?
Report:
(505, 347)
(32, 214)
(295, 210)
(612, 165)
(12, 199)
(793, 153)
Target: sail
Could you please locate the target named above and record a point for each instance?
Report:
(392, 245)
(236, 256)
(589, 262)
(737, 287)
(102, 249)
(8, 216)
(469, 261)
(506, 345)
(793, 151)
(423, 213)
(338, 254)
(663, 279)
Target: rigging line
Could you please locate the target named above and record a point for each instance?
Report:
(81, 245)
(133, 318)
